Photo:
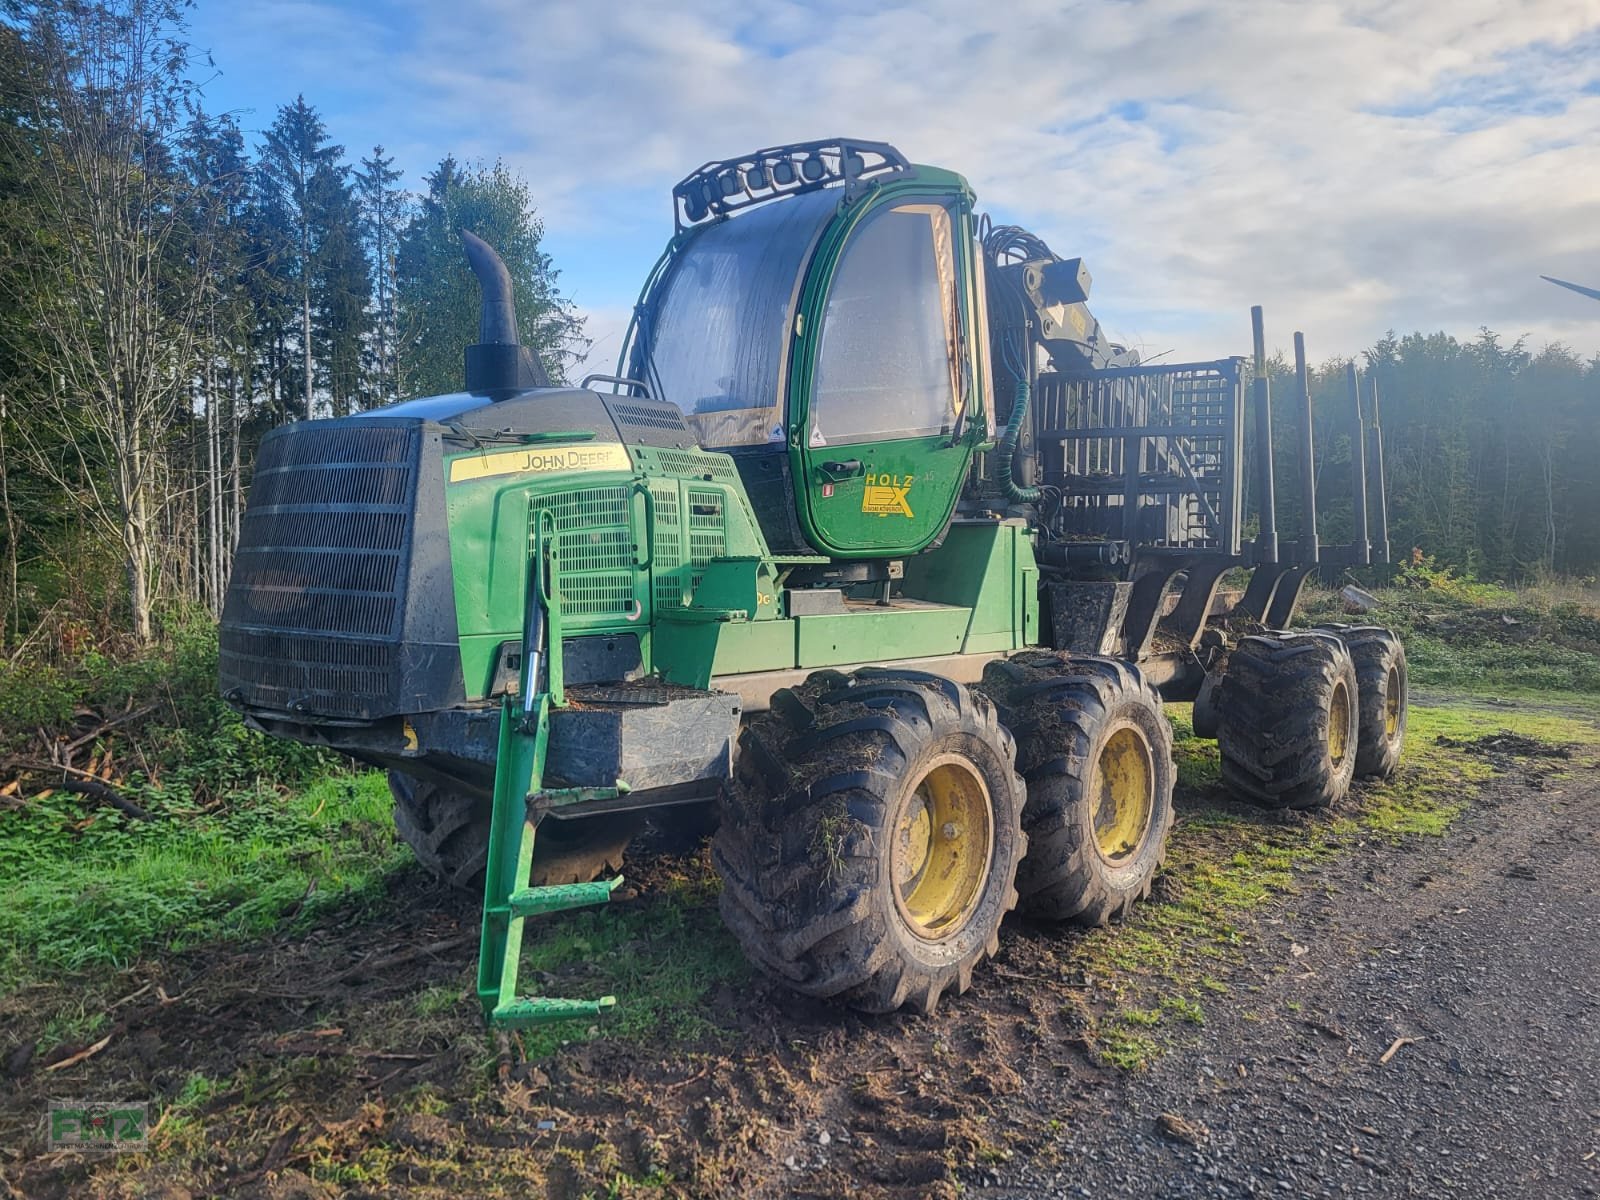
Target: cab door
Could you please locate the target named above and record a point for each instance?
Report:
(882, 363)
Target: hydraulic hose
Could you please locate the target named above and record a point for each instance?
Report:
(1004, 466)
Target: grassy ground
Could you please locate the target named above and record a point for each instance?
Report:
(1483, 638)
(252, 893)
(210, 833)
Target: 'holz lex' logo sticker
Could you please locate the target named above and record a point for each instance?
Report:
(886, 495)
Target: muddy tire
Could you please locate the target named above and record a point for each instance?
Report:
(1380, 660)
(1287, 720)
(1204, 720)
(869, 846)
(1095, 751)
(448, 831)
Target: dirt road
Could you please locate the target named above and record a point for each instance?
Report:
(1227, 1041)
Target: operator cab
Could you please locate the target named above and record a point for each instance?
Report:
(816, 318)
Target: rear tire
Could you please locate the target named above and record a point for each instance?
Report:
(869, 846)
(1380, 660)
(1095, 751)
(1287, 716)
(448, 831)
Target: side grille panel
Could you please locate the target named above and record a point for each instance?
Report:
(671, 589)
(594, 542)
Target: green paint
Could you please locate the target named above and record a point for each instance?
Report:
(988, 568)
(519, 776)
(879, 635)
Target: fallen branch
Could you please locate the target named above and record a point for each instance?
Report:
(106, 794)
(107, 726)
(83, 784)
(87, 1052)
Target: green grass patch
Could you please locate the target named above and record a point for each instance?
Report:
(1117, 1045)
(1199, 765)
(103, 892)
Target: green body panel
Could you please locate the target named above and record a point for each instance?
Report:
(631, 544)
(873, 634)
(964, 570)
(975, 593)
(594, 512)
(895, 504)
(852, 516)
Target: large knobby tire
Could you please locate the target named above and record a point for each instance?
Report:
(869, 846)
(1287, 717)
(1095, 751)
(1380, 661)
(448, 831)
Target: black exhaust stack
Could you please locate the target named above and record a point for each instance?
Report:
(498, 362)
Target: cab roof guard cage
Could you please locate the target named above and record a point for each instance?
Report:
(719, 188)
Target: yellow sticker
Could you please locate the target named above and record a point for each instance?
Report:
(886, 495)
(607, 456)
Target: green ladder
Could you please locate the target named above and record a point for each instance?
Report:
(521, 801)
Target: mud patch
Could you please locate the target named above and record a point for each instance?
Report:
(1506, 751)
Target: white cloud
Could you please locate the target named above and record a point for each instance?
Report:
(1351, 164)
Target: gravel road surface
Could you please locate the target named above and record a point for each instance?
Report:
(1471, 963)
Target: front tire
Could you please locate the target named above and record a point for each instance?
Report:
(448, 831)
(869, 847)
(1095, 751)
(1287, 719)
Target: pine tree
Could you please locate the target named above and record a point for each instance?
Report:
(296, 148)
(341, 288)
(383, 214)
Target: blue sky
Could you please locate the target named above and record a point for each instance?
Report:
(1354, 165)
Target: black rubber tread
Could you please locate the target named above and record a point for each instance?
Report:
(1272, 717)
(448, 831)
(1203, 719)
(803, 843)
(1060, 708)
(1374, 650)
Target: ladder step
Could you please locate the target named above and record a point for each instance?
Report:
(531, 901)
(537, 1010)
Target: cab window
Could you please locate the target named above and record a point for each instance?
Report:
(888, 356)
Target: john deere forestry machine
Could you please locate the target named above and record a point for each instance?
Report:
(875, 553)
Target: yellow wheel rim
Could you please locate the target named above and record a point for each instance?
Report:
(1339, 723)
(1391, 704)
(1122, 794)
(941, 846)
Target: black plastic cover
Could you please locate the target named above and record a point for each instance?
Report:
(341, 602)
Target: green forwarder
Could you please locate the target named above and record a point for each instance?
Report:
(875, 553)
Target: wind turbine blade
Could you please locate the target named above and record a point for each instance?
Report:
(1592, 293)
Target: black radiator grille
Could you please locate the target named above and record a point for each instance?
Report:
(316, 600)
